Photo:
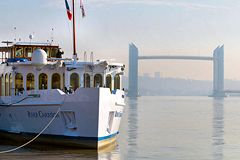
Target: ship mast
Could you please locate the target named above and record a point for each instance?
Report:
(74, 33)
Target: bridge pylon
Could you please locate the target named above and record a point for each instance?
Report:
(133, 71)
(218, 72)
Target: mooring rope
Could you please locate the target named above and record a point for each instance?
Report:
(10, 104)
(25, 144)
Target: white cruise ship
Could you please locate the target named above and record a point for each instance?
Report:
(58, 101)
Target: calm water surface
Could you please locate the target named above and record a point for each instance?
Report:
(165, 128)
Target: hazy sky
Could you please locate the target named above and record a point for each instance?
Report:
(157, 27)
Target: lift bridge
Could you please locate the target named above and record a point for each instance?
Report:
(218, 69)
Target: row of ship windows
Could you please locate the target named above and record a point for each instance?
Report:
(24, 52)
(6, 82)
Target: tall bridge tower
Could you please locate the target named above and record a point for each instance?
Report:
(218, 72)
(133, 71)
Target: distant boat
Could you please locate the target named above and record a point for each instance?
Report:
(64, 101)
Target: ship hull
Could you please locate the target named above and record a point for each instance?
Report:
(89, 118)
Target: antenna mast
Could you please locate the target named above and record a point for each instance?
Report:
(52, 35)
(74, 33)
(15, 34)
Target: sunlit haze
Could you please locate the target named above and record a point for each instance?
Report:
(157, 27)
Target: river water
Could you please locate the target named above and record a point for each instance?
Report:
(164, 128)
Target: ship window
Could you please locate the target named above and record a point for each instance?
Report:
(56, 81)
(109, 81)
(2, 86)
(86, 80)
(43, 81)
(18, 83)
(28, 52)
(6, 85)
(54, 52)
(10, 84)
(64, 80)
(34, 48)
(74, 81)
(47, 51)
(117, 82)
(30, 81)
(19, 52)
(98, 80)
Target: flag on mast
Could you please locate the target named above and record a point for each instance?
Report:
(82, 8)
(69, 12)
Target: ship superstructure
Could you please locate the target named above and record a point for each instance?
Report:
(34, 85)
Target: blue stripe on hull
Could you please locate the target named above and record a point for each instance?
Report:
(107, 137)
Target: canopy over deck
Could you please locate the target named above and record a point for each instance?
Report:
(25, 50)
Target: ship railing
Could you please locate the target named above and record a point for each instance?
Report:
(60, 59)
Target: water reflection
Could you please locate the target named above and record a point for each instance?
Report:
(218, 129)
(113, 154)
(132, 127)
(51, 154)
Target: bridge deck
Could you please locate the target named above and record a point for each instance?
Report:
(231, 91)
(177, 57)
